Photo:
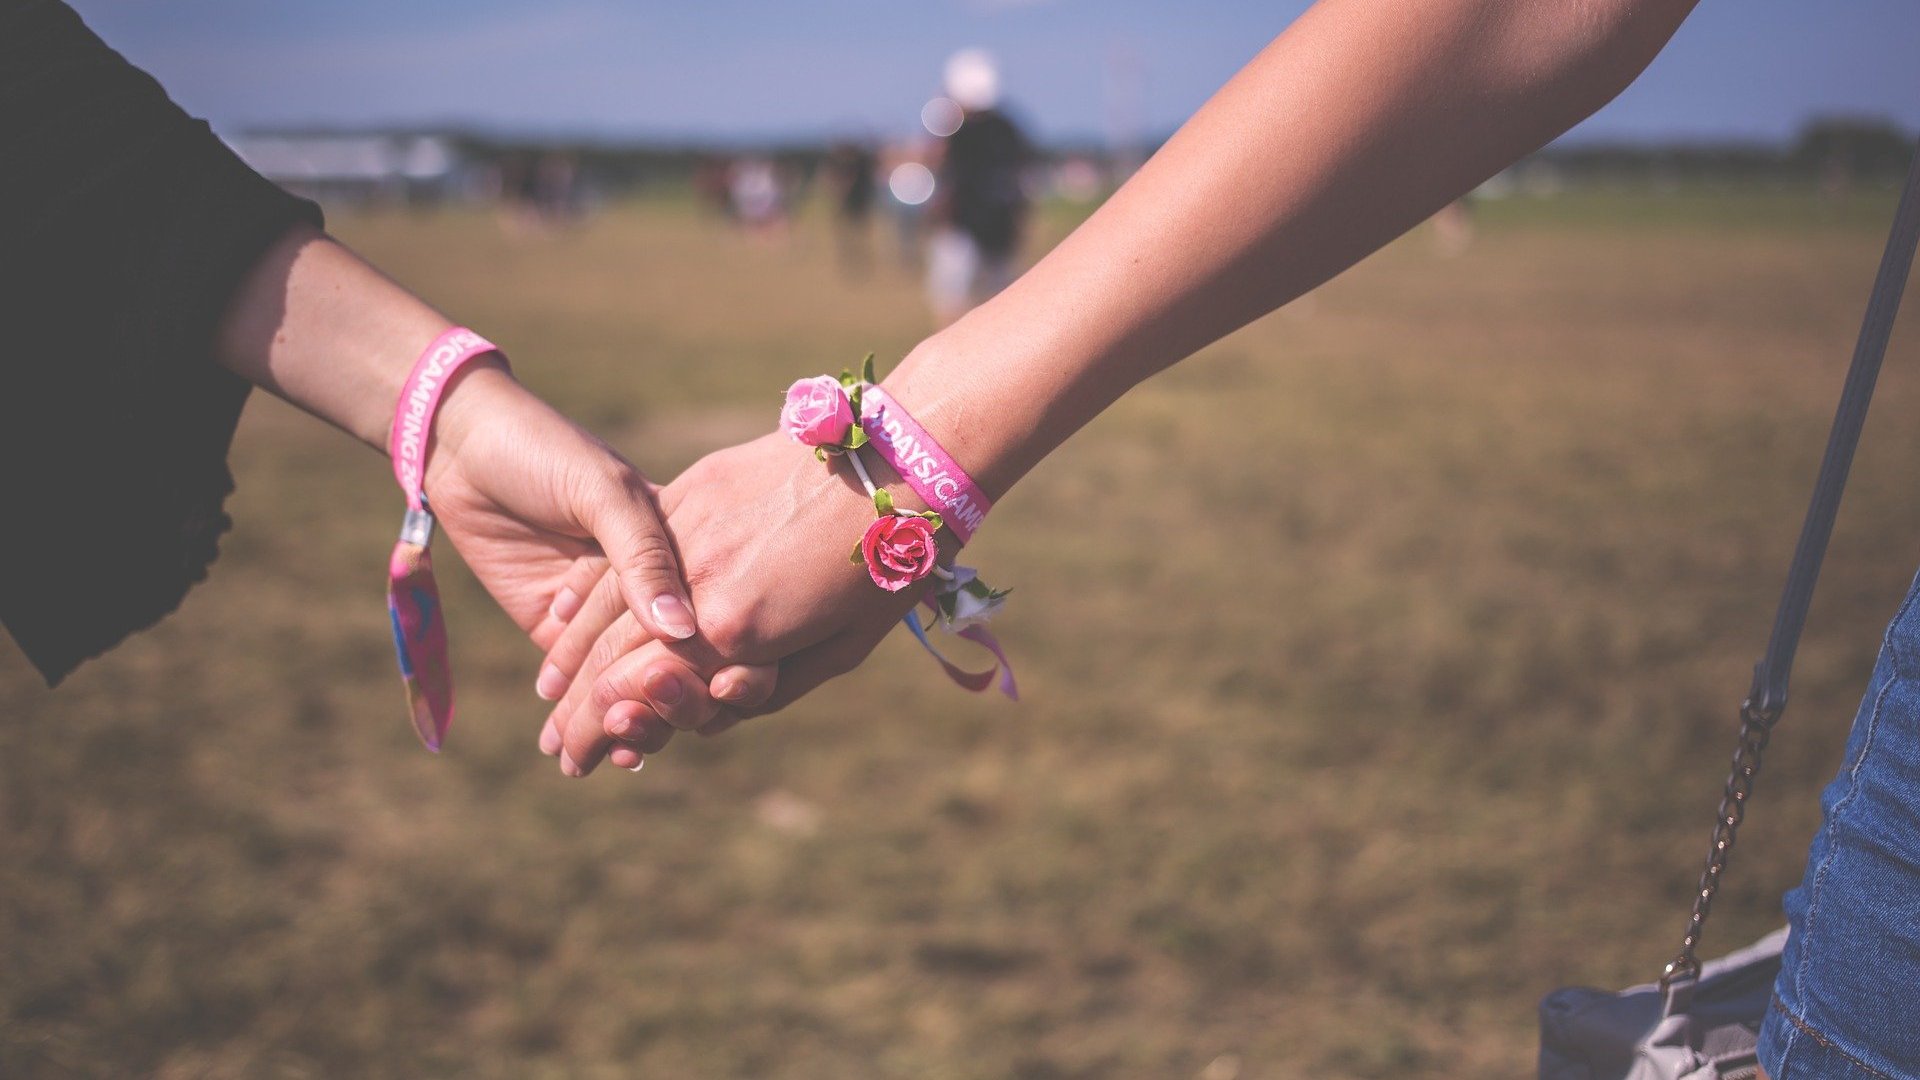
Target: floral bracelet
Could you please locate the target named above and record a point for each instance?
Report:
(901, 547)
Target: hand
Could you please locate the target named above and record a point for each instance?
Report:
(764, 531)
(532, 501)
(524, 494)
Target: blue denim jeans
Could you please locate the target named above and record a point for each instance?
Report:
(1847, 1002)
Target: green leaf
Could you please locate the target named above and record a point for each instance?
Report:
(977, 588)
(856, 437)
(847, 380)
(856, 558)
(820, 453)
(866, 368)
(883, 501)
(932, 519)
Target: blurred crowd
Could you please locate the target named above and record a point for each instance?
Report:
(947, 200)
(956, 192)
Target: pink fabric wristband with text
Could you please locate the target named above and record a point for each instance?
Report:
(413, 598)
(420, 399)
(927, 468)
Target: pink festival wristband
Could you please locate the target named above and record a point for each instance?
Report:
(927, 468)
(900, 547)
(413, 598)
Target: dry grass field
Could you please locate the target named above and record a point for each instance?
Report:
(1380, 679)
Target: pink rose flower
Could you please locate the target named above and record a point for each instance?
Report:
(817, 412)
(898, 551)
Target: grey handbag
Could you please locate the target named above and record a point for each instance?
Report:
(1702, 1022)
(1641, 1033)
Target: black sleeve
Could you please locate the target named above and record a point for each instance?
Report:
(125, 226)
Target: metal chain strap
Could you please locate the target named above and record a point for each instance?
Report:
(1768, 697)
(1756, 727)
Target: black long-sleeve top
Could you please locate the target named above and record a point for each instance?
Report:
(125, 226)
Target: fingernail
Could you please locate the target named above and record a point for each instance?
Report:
(552, 683)
(641, 765)
(549, 740)
(673, 615)
(663, 689)
(566, 604)
(620, 727)
(734, 690)
(568, 766)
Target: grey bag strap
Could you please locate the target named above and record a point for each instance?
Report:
(1767, 698)
(1769, 691)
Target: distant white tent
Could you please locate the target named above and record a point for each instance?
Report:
(353, 166)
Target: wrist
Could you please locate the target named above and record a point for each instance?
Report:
(979, 421)
(905, 496)
(482, 395)
(1011, 380)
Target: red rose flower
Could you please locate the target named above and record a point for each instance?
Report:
(898, 550)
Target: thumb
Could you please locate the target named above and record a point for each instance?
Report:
(627, 526)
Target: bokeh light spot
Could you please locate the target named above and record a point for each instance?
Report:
(941, 117)
(911, 183)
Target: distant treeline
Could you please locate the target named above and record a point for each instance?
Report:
(1851, 148)
(1832, 150)
(627, 167)
(427, 166)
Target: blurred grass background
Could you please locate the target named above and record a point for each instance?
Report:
(1380, 668)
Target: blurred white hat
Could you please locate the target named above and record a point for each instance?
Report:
(973, 79)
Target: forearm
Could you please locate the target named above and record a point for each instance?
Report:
(1357, 123)
(315, 324)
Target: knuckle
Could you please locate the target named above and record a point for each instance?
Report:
(570, 653)
(610, 690)
(617, 481)
(730, 632)
(620, 472)
(606, 649)
(582, 739)
(651, 556)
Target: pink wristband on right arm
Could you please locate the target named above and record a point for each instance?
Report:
(927, 468)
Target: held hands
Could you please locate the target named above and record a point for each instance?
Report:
(764, 532)
(563, 531)
(565, 534)
(532, 501)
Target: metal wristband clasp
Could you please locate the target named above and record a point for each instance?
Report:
(417, 527)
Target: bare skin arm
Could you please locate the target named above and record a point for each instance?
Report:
(527, 496)
(1358, 122)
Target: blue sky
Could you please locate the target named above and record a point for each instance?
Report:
(736, 69)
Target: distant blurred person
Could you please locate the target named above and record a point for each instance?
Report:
(759, 199)
(539, 191)
(909, 186)
(556, 188)
(852, 185)
(713, 185)
(979, 205)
